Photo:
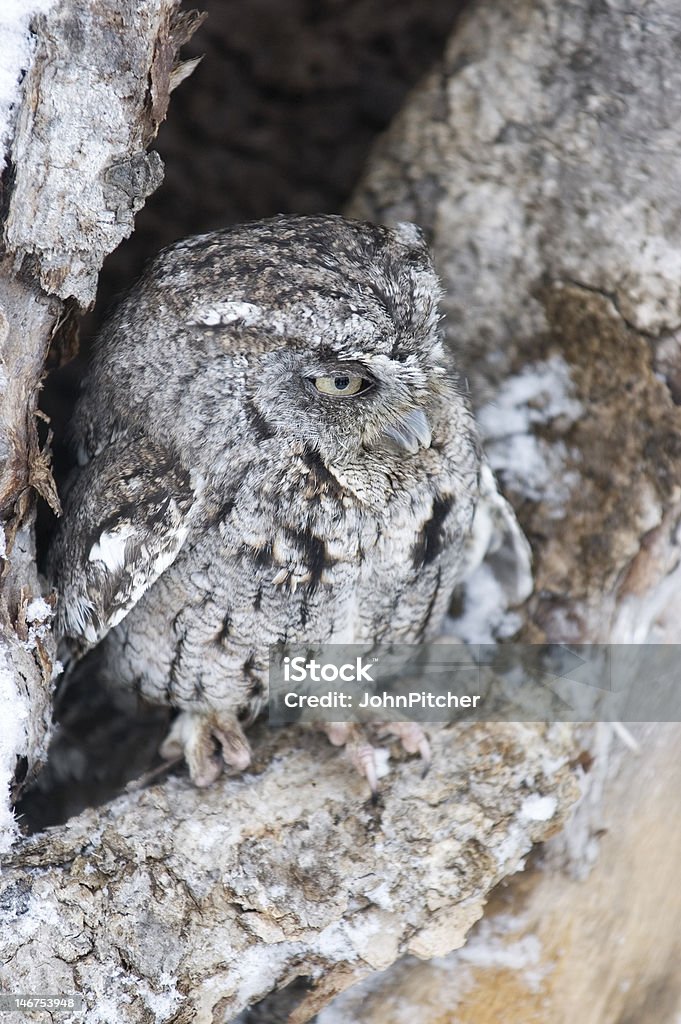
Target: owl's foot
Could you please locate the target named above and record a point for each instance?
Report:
(363, 754)
(207, 742)
(412, 737)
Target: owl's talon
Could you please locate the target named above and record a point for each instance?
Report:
(204, 769)
(413, 740)
(361, 754)
(195, 737)
(363, 757)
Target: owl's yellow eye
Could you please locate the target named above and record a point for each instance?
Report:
(341, 385)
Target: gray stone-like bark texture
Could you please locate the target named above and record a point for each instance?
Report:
(552, 948)
(174, 904)
(92, 98)
(542, 157)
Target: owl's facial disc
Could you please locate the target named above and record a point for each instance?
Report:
(348, 405)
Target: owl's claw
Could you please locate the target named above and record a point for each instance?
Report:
(363, 755)
(413, 739)
(195, 736)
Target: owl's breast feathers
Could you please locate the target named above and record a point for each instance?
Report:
(133, 509)
(312, 524)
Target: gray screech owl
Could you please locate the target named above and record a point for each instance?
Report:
(272, 447)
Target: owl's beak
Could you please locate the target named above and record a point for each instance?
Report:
(411, 431)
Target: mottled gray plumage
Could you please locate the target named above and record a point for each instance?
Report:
(225, 503)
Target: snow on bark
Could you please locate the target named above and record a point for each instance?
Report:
(16, 53)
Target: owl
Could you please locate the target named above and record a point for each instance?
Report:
(272, 447)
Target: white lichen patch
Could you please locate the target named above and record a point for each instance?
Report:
(38, 610)
(542, 394)
(13, 743)
(38, 615)
(165, 999)
(501, 943)
(509, 853)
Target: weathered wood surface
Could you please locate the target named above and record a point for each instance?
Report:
(589, 932)
(95, 90)
(177, 904)
(542, 157)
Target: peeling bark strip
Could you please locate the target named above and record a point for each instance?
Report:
(174, 904)
(92, 99)
(542, 157)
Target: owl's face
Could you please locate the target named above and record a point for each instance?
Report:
(355, 362)
(342, 406)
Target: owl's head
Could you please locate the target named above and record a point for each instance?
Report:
(335, 324)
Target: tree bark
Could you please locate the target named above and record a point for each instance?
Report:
(541, 156)
(589, 932)
(92, 98)
(175, 904)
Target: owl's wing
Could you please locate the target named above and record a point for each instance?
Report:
(126, 519)
(497, 539)
(496, 573)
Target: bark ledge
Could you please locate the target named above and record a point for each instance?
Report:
(173, 904)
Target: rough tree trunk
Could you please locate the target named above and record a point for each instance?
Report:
(174, 904)
(77, 170)
(589, 932)
(542, 156)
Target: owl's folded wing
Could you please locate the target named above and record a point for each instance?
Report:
(497, 539)
(126, 519)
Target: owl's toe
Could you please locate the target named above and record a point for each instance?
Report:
(413, 739)
(208, 742)
(204, 764)
(363, 754)
(236, 750)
